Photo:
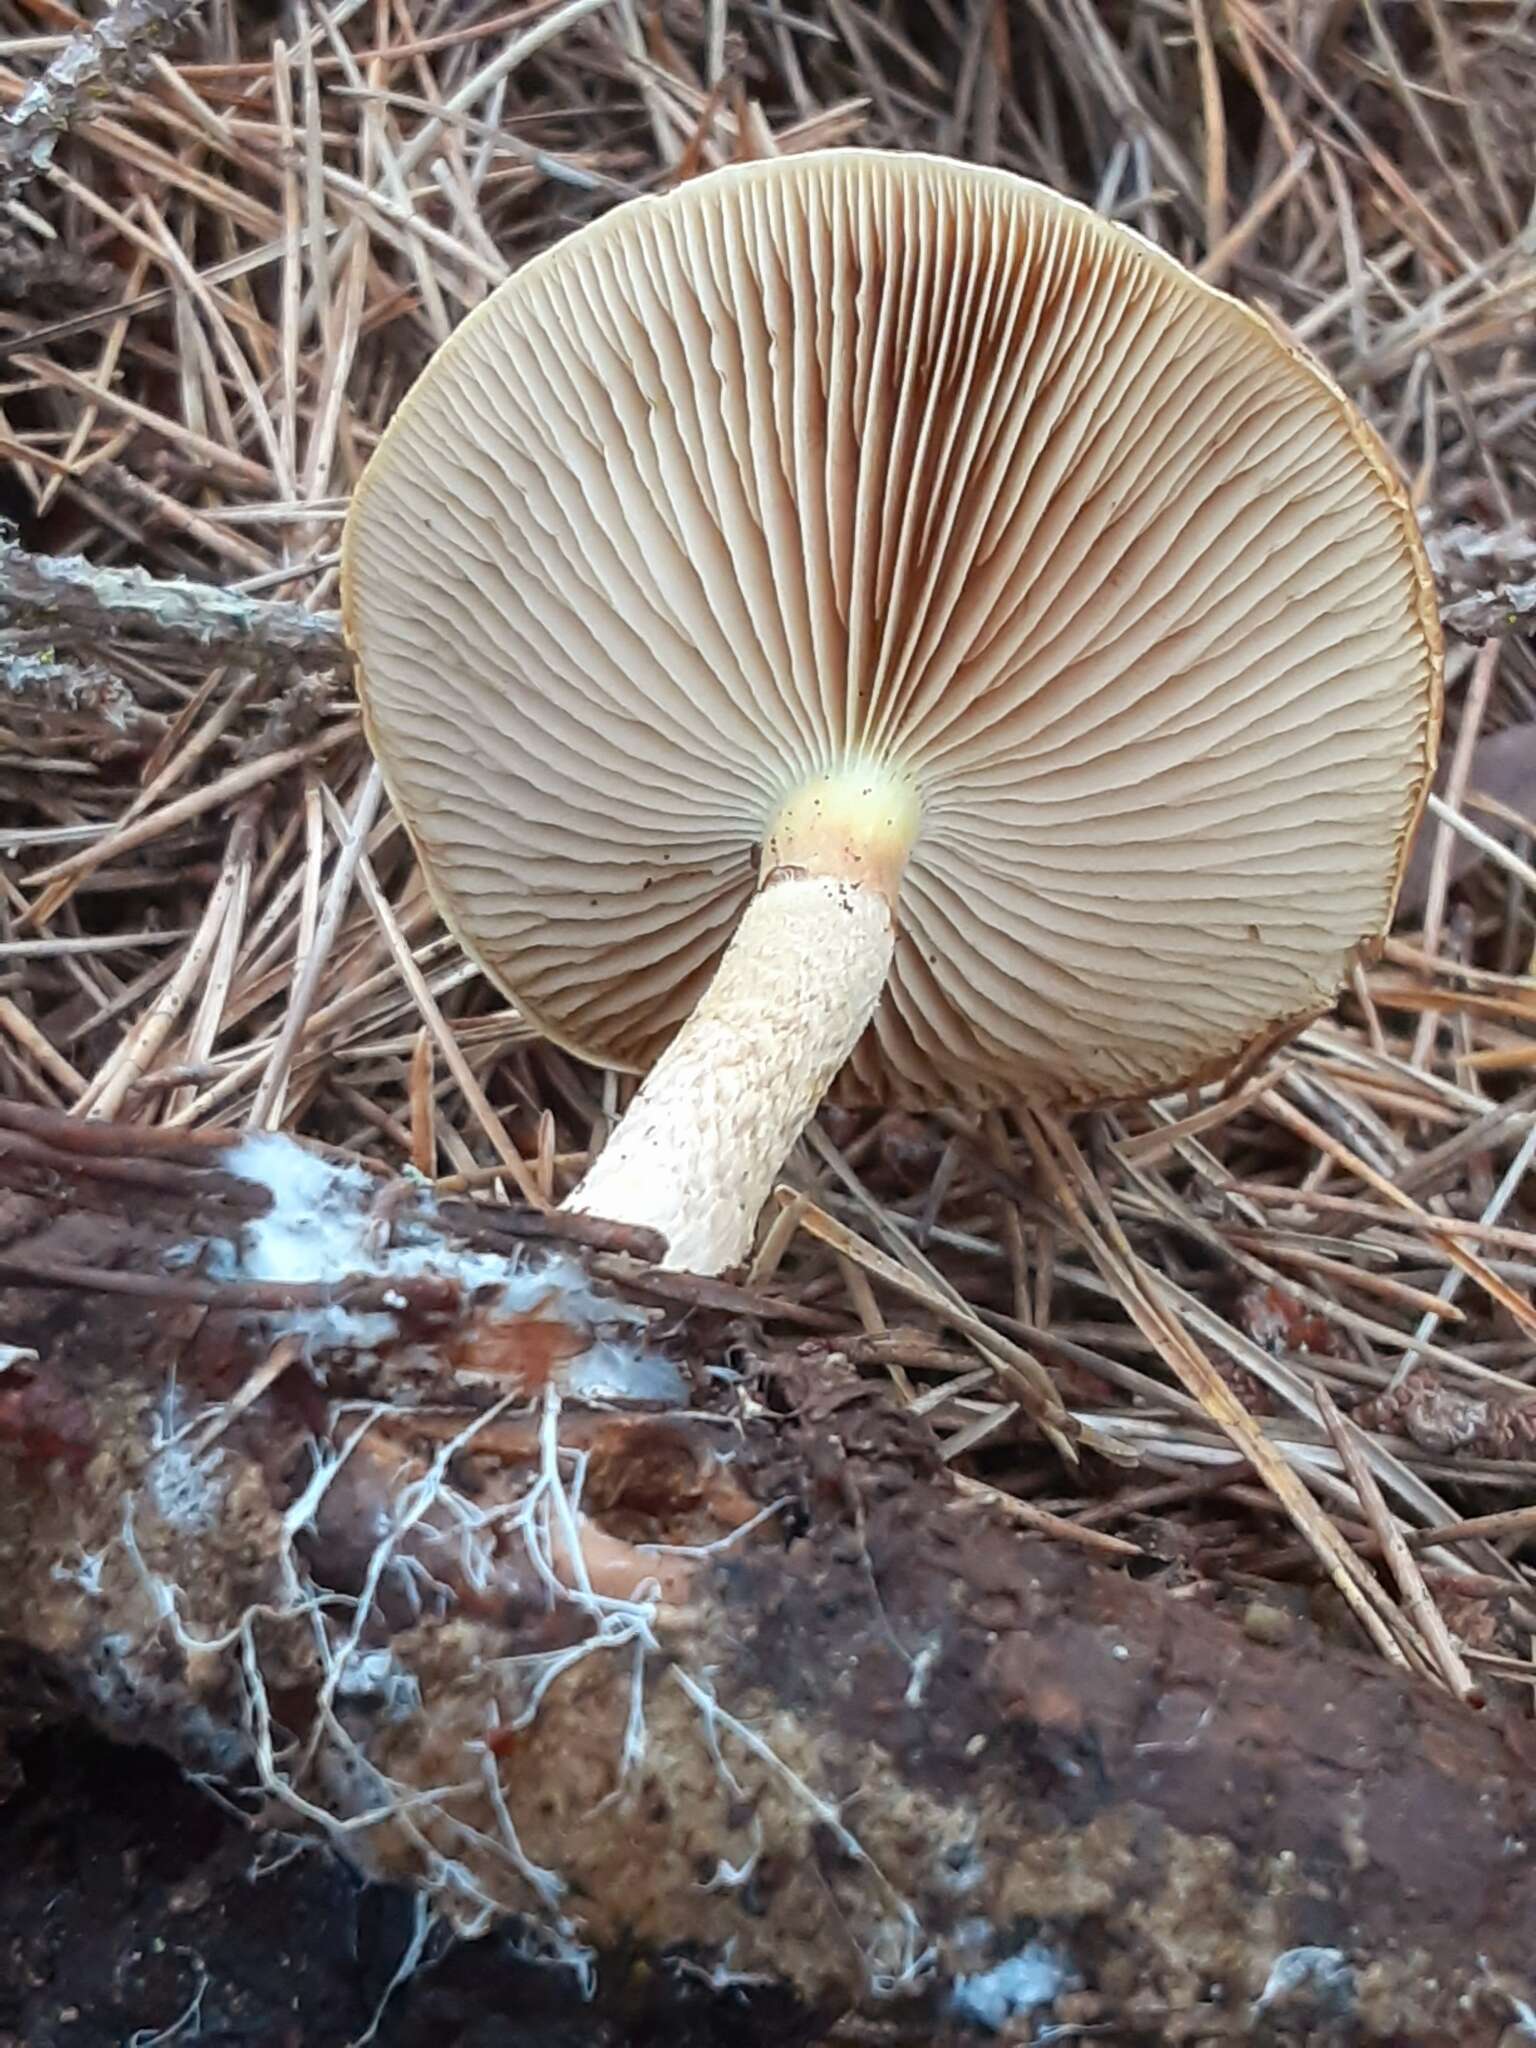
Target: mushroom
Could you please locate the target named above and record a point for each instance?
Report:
(866, 605)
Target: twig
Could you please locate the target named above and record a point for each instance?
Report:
(110, 53)
(274, 1081)
(1435, 1637)
(77, 602)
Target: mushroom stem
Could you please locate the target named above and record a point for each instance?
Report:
(696, 1153)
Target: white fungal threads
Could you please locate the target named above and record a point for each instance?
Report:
(1014, 1988)
(321, 1228)
(433, 1547)
(1324, 1974)
(475, 1863)
(331, 1782)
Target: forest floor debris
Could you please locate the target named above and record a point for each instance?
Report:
(218, 276)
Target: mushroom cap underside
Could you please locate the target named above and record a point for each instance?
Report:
(868, 464)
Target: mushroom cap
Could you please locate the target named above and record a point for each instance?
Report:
(858, 460)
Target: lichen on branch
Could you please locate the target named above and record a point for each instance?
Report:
(82, 605)
(111, 52)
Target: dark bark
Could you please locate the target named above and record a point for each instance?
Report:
(131, 1904)
(891, 1746)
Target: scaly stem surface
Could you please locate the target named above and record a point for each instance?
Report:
(696, 1154)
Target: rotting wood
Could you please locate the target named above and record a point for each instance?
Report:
(864, 1738)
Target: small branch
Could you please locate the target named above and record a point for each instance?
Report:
(78, 602)
(111, 53)
(357, 1294)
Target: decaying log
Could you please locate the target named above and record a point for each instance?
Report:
(844, 1732)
